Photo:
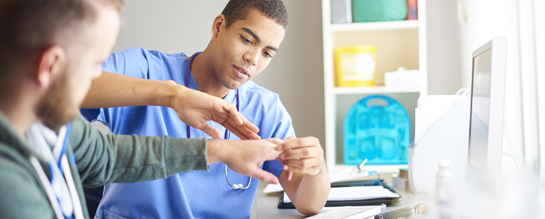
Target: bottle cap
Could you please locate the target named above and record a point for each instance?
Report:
(443, 163)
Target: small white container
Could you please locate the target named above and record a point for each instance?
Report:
(443, 189)
(402, 78)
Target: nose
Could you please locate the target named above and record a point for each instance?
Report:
(251, 58)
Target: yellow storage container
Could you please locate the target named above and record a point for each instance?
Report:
(355, 66)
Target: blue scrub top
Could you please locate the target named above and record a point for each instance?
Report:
(198, 194)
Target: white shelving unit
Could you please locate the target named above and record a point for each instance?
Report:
(374, 90)
(374, 26)
(399, 43)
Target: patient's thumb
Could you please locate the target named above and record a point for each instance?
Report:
(264, 176)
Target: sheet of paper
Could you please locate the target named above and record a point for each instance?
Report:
(355, 193)
(430, 109)
(348, 175)
(272, 188)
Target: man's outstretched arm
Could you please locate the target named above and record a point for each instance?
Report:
(193, 107)
(105, 158)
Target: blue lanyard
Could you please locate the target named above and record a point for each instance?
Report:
(188, 71)
(63, 150)
(59, 187)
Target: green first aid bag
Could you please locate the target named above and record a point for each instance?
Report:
(379, 10)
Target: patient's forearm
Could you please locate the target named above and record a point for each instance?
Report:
(114, 90)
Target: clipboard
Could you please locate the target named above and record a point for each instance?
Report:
(372, 201)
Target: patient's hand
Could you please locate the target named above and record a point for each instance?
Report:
(245, 157)
(302, 155)
(194, 108)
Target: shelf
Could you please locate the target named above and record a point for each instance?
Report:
(378, 168)
(399, 43)
(374, 90)
(386, 25)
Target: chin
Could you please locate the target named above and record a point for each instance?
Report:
(58, 108)
(55, 118)
(236, 86)
(232, 84)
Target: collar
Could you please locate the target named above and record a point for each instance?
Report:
(230, 97)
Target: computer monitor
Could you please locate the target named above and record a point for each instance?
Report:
(486, 118)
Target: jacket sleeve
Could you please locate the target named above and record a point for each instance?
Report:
(104, 158)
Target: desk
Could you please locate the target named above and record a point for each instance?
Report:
(265, 205)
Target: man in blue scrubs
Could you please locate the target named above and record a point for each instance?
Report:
(245, 37)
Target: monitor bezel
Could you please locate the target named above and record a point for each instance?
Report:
(498, 46)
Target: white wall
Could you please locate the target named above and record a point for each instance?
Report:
(514, 20)
(296, 74)
(481, 21)
(540, 55)
(443, 47)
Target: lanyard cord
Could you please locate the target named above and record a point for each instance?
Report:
(47, 186)
(59, 159)
(227, 133)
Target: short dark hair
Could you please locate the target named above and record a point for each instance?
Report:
(30, 26)
(273, 9)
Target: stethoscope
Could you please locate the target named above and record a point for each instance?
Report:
(227, 133)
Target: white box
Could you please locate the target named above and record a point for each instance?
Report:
(341, 11)
(402, 78)
(400, 183)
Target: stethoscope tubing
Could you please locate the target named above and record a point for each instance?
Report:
(227, 133)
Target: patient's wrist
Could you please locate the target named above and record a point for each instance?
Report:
(216, 151)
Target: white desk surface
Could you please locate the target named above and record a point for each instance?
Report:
(265, 205)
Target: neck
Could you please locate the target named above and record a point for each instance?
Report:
(19, 110)
(205, 75)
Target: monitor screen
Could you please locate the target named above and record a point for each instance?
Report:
(480, 108)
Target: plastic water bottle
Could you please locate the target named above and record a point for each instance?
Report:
(443, 189)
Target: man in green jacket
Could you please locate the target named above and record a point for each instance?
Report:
(50, 50)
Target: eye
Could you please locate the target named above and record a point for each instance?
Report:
(267, 54)
(246, 40)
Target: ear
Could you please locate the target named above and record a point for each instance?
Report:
(219, 21)
(50, 64)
